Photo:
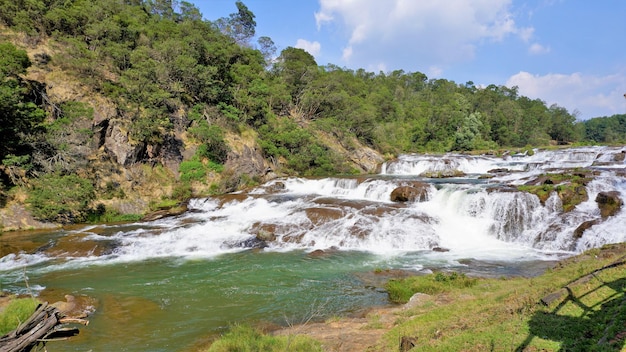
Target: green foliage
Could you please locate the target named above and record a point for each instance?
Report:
(213, 146)
(19, 115)
(15, 313)
(401, 290)
(242, 338)
(605, 129)
(304, 154)
(110, 216)
(61, 198)
(192, 170)
(240, 26)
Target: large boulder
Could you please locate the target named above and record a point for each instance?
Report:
(609, 203)
(417, 192)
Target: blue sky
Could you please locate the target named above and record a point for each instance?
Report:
(568, 52)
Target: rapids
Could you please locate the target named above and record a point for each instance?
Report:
(296, 245)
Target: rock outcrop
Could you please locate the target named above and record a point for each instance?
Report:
(416, 192)
(609, 203)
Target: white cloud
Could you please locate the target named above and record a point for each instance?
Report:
(347, 53)
(591, 95)
(424, 33)
(313, 48)
(526, 33)
(538, 49)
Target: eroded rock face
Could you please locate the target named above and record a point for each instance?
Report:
(609, 203)
(248, 161)
(119, 147)
(417, 192)
(367, 159)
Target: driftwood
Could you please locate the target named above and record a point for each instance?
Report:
(46, 324)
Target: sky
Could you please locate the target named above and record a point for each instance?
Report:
(566, 52)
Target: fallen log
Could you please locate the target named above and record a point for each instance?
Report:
(45, 324)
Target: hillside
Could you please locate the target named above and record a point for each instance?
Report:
(135, 106)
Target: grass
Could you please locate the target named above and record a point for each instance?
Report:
(401, 290)
(505, 314)
(243, 338)
(16, 312)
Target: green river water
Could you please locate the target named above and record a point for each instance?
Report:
(174, 305)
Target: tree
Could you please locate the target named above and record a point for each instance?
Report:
(18, 112)
(267, 48)
(297, 68)
(240, 26)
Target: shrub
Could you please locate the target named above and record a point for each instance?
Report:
(61, 198)
(192, 170)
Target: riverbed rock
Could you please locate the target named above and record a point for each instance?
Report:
(320, 216)
(249, 243)
(578, 233)
(165, 213)
(263, 231)
(442, 173)
(417, 192)
(571, 195)
(609, 203)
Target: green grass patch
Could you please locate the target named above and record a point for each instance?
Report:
(15, 313)
(401, 290)
(243, 338)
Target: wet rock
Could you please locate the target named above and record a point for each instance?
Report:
(415, 193)
(250, 243)
(609, 203)
(78, 245)
(276, 187)
(498, 171)
(76, 307)
(165, 213)
(578, 233)
(440, 249)
(319, 216)
(317, 253)
(264, 232)
(571, 195)
(442, 173)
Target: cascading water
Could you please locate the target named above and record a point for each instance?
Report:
(204, 256)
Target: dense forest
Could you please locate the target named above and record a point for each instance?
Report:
(154, 78)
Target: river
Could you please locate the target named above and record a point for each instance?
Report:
(296, 249)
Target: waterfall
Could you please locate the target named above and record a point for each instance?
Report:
(479, 215)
